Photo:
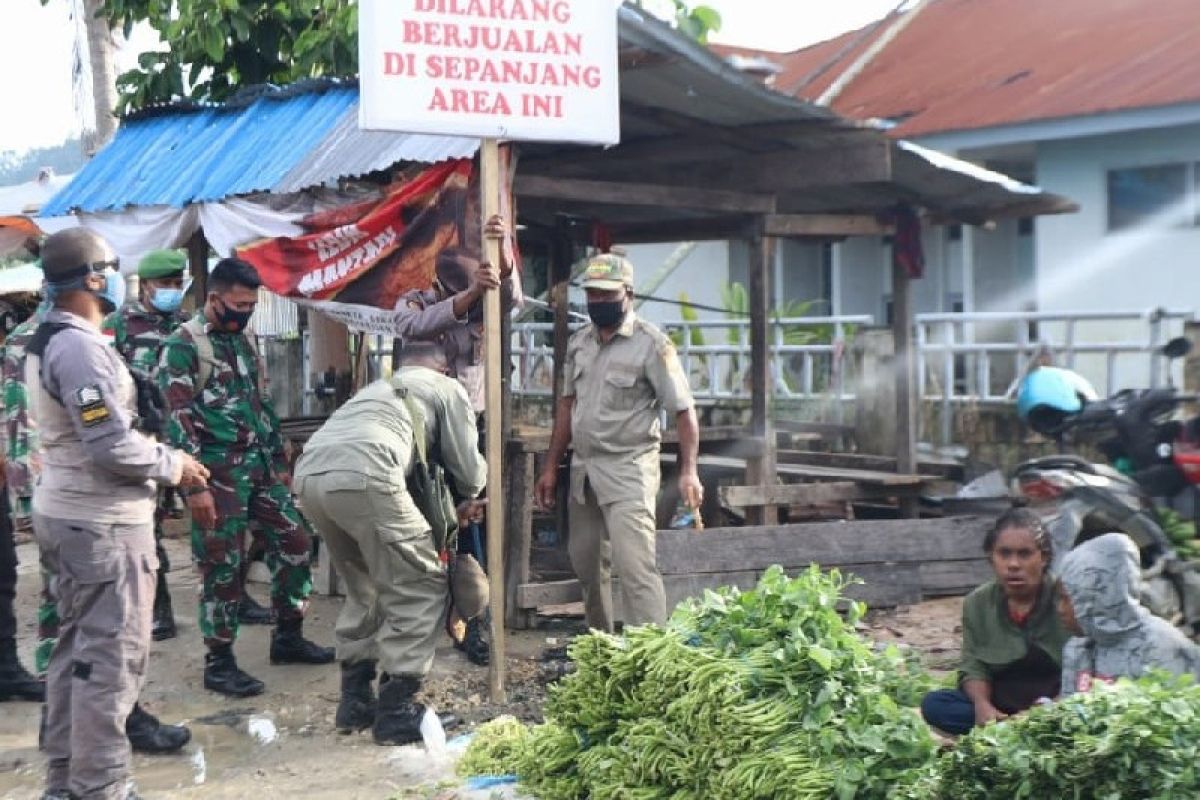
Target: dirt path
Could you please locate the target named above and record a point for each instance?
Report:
(282, 743)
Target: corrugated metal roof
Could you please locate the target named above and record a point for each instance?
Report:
(969, 64)
(283, 141)
(348, 150)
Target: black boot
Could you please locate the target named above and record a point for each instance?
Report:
(15, 682)
(356, 709)
(473, 645)
(251, 612)
(221, 674)
(164, 616)
(288, 646)
(148, 735)
(398, 718)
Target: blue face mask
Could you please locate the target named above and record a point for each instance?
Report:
(166, 300)
(112, 296)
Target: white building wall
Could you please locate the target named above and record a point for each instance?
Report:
(1081, 265)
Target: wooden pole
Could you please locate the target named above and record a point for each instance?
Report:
(197, 252)
(906, 406)
(489, 187)
(560, 277)
(761, 471)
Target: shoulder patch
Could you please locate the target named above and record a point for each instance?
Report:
(92, 410)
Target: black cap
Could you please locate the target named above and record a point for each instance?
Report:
(73, 253)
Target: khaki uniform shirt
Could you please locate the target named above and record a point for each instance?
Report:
(372, 434)
(421, 315)
(620, 390)
(95, 465)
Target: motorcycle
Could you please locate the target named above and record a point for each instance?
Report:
(1153, 465)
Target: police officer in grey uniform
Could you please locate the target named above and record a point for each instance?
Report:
(93, 514)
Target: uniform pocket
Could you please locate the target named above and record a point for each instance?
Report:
(102, 564)
(620, 389)
(417, 552)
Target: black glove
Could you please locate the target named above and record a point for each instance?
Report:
(151, 406)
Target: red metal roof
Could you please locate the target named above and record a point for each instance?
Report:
(968, 64)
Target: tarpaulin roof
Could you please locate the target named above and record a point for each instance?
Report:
(21, 278)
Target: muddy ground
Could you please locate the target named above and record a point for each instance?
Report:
(282, 743)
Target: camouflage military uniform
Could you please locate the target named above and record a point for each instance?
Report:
(21, 468)
(232, 429)
(138, 335)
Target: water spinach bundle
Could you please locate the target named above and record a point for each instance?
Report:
(769, 693)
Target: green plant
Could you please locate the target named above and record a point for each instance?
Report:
(769, 693)
(1135, 739)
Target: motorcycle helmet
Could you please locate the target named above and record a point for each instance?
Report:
(1048, 395)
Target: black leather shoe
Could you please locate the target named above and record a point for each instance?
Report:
(221, 674)
(15, 681)
(288, 646)
(250, 612)
(356, 708)
(163, 626)
(398, 719)
(148, 735)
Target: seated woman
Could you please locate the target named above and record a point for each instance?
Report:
(1098, 592)
(1012, 637)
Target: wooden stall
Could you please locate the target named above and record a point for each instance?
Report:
(708, 153)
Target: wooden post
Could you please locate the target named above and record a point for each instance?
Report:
(197, 253)
(761, 471)
(906, 403)
(489, 187)
(560, 276)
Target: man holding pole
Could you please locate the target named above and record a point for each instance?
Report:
(451, 313)
(620, 374)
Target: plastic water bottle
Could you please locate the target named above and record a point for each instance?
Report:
(432, 733)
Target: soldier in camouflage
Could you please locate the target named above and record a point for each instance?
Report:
(210, 374)
(139, 329)
(15, 681)
(21, 467)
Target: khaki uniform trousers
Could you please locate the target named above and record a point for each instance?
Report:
(396, 586)
(106, 575)
(620, 535)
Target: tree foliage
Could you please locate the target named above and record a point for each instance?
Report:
(216, 46)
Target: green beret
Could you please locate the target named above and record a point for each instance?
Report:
(162, 264)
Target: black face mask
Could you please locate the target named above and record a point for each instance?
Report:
(232, 319)
(608, 313)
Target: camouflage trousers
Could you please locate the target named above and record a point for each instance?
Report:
(47, 613)
(250, 492)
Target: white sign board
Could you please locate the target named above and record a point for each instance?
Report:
(543, 70)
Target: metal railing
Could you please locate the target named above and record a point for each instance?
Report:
(981, 356)
(808, 356)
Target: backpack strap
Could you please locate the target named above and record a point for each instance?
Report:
(37, 346)
(417, 416)
(197, 326)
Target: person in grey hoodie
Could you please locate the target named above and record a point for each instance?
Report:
(1116, 636)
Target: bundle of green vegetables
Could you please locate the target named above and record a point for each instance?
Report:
(768, 693)
(1181, 531)
(1135, 739)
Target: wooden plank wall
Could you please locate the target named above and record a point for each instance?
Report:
(900, 561)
